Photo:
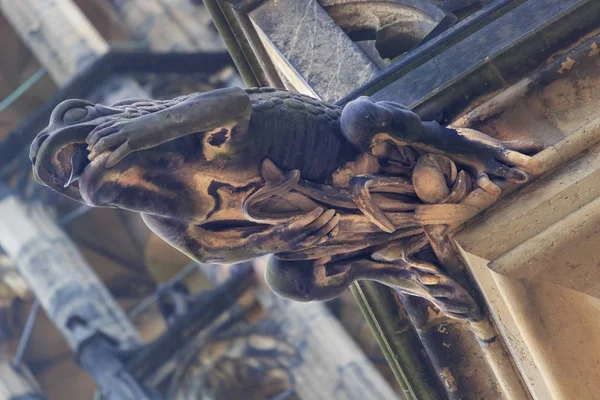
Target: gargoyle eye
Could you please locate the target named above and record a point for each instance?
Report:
(75, 114)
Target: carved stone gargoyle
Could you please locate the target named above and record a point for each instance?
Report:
(333, 194)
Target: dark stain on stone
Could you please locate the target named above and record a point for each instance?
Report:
(218, 138)
(165, 181)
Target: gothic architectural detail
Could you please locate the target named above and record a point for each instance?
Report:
(367, 191)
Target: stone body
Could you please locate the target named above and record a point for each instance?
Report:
(335, 194)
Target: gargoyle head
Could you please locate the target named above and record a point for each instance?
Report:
(59, 155)
(175, 178)
(59, 152)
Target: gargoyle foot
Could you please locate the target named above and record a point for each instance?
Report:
(302, 231)
(270, 189)
(282, 185)
(446, 293)
(436, 285)
(308, 280)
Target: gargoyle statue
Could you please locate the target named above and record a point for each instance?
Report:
(333, 194)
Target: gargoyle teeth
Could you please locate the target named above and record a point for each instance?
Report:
(79, 161)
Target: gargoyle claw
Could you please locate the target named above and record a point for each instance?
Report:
(447, 294)
(111, 134)
(310, 229)
(503, 171)
(285, 185)
(360, 192)
(432, 283)
(101, 131)
(321, 229)
(461, 188)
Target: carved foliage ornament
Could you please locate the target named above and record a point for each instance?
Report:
(333, 194)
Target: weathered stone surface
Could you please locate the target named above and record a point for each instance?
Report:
(311, 49)
(542, 204)
(535, 253)
(450, 68)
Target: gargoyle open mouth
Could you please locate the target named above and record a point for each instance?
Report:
(79, 161)
(59, 153)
